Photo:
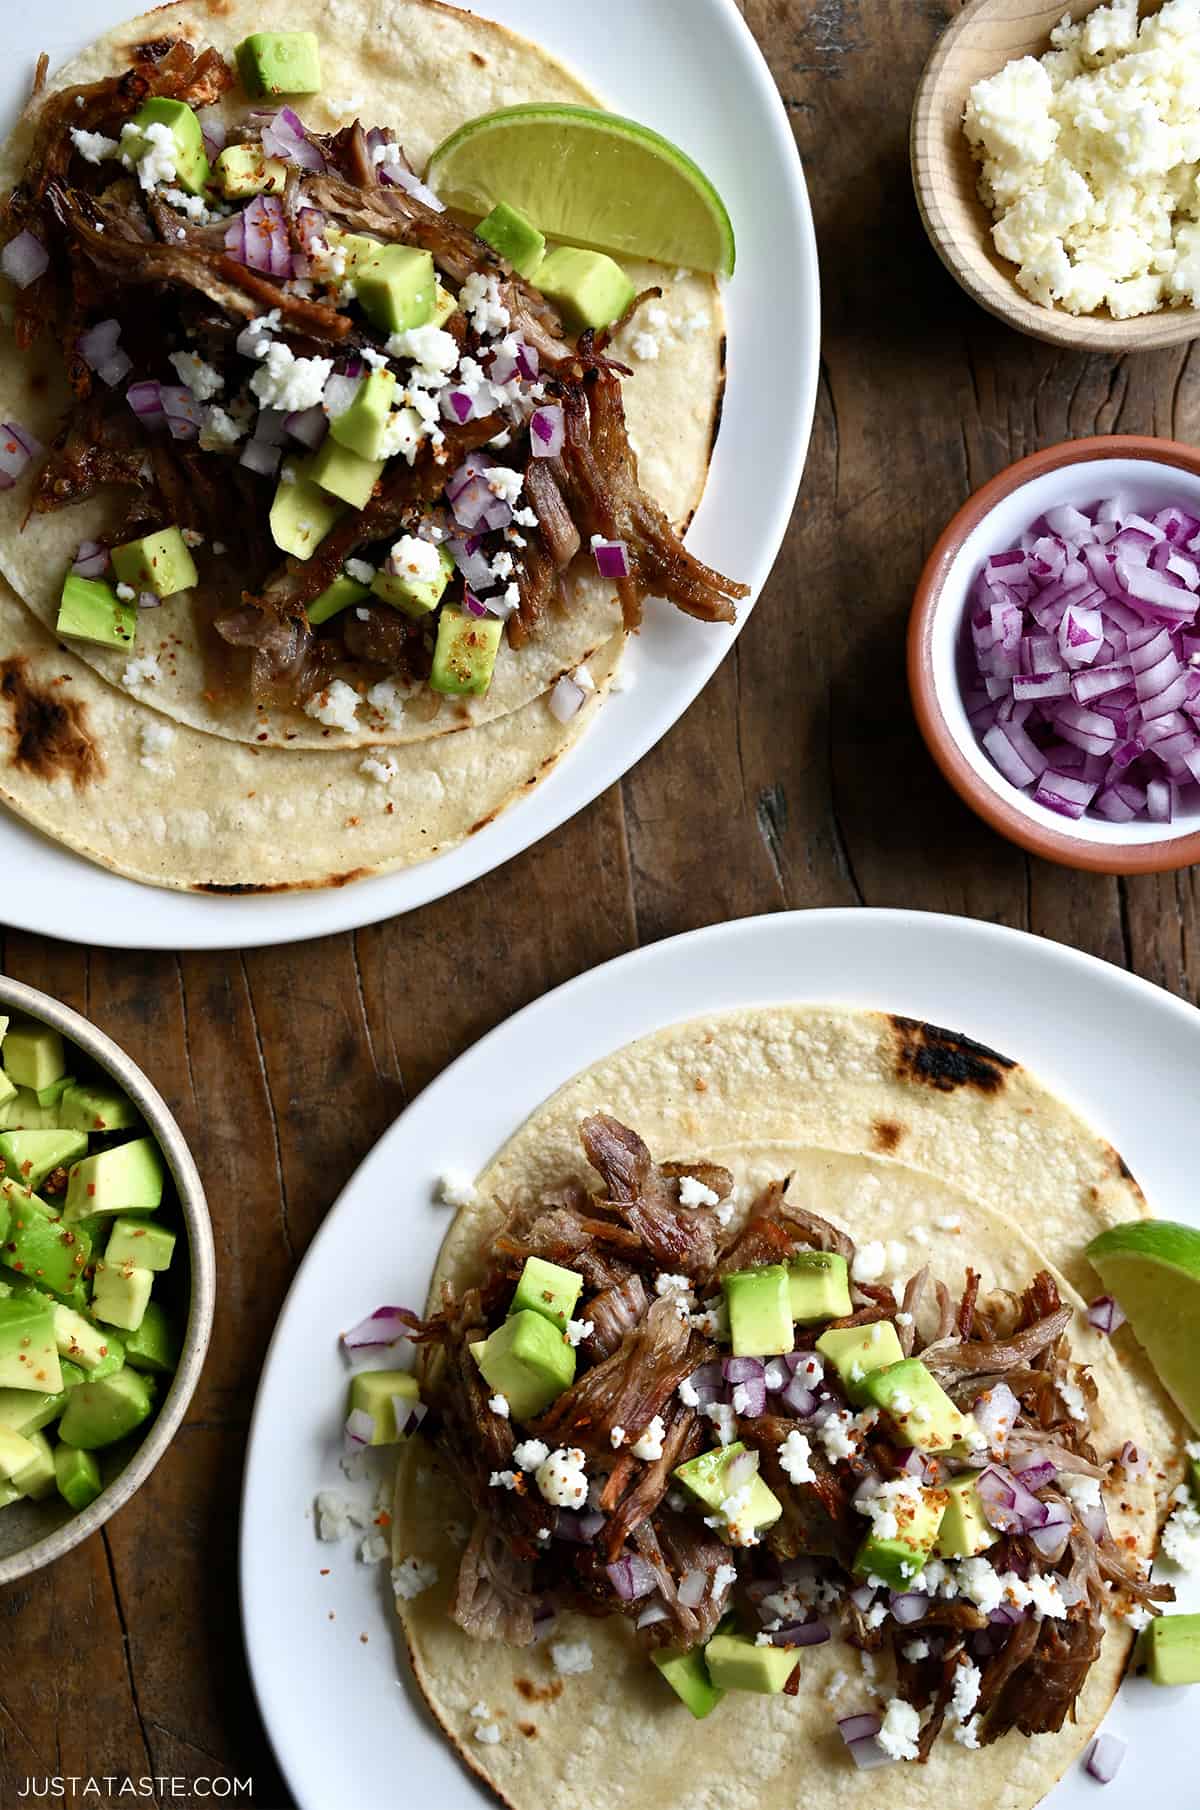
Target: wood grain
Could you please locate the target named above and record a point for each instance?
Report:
(796, 780)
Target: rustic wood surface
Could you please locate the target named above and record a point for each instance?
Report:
(796, 780)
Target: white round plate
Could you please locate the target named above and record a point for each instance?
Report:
(691, 69)
(343, 1717)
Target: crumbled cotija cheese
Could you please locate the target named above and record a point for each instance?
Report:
(1090, 157)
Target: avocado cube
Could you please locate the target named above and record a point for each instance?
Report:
(154, 1346)
(920, 1411)
(819, 1286)
(737, 1663)
(243, 170)
(855, 1351)
(40, 1247)
(900, 1557)
(95, 1109)
(547, 1288)
(760, 1313)
(529, 1362)
(127, 1178)
(588, 288)
(335, 598)
(372, 1392)
(706, 1478)
(26, 1412)
(279, 62)
(191, 161)
(687, 1675)
(99, 1412)
(16, 1455)
(513, 234)
(344, 473)
(120, 1294)
(301, 514)
(22, 1113)
(37, 1479)
(444, 305)
(77, 1475)
(50, 1096)
(465, 655)
(8, 1089)
(415, 596)
(28, 1157)
(362, 425)
(33, 1054)
(28, 1354)
(98, 1353)
(357, 246)
(140, 1241)
(965, 1529)
(90, 610)
(161, 563)
(396, 287)
(1170, 1647)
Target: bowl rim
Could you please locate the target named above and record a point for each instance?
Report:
(1165, 853)
(16, 995)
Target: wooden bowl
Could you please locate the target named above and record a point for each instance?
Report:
(985, 36)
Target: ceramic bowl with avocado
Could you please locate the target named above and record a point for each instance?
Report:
(106, 1279)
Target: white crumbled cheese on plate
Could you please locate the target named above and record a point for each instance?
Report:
(479, 298)
(218, 432)
(336, 1516)
(530, 1454)
(1074, 1401)
(617, 1438)
(150, 150)
(201, 379)
(650, 1445)
(1181, 1535)
(693, 1193)
(386, 701)
(835, 1435)
(688, 1393)
(145, 670)
(93, 147)
(416, 559)
(576, 1331)
(571, 1658)
(502, 1480)
(499, 1405)
(411, 1576)
(870, 1261)
(126, 592)
(284, 381)
(488, 1733)
(373, 1547)
(379, 767)
(336, 706)
(455, 1186)
(724, 1577)
(795, 1455)
(723, 1418)
(915, 1649)
(561, 1478)
(644, 346)
(900, 1728)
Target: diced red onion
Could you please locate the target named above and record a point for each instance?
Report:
(1037, 1475)
(91, 560)
(24, 259)
(548, 433)
(1009, 1506)
(476, 506)
(258, 237)
(566, 699)
(116, 369)
(1134, 1462)
(578, 1526)
(147, 600)
(383, 1327)
(1104, 1314)
(995, 1413)
(284, 136)
(868, 1754)
(708, 1383)
(307, 425)
(799, 1397)
(909, 1606)
(184, 414)
(1006, 1615)
(261, 457)
(632, 1577)
(741, 1369)
(360, 1427)
(474, 565)
(656, 1612)
(471, 603)
(1052, 1536)
(859, 1727)
(1095, 1519)
(213, 130)
(801, 1634)
(528, 360)
(409, 1414)
(612, 558)
(97, 345)
(692, 1586)
(17, 448)
(457, 405)
(810, 1364)
(862, 1596)
(776, 1375)
(1104, 1760)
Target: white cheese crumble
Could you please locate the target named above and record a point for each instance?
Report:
(650, 1445)
(617, 1438)
(284, 381)
(155, 738)
(889, 1505)
(561, 1478)
(579, 1330)
(531, 1453)
(571, 1658)
(898, 1733)
(481, 1711)
(499, 1405)
(416, 559)
(386, 701)
(916, 1649)
(360, 570)
(688, 1394)
(1181, 1535)
(336, 1516)
(126, 593)
(479, 298)
(374, 1547)
(488, 1733)
(201, 379)
(795, 1455)
(724, 1577)
(145, 670)
(150, 150)
(336, 706)
(724, 1419)
(93, 147)
(1074, 1401)
(502, 1480)
(693, 1193)
(870, 1261)
(967, 1680)
(667, 1284)
(411, 1576)
(455, 1186)
(644, 346)
(379, 767)
(218, 432)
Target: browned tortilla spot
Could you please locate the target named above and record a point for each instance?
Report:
(886, 1135)
(946, 1059)
(49, 730)
(539, 1693)
(235, 888)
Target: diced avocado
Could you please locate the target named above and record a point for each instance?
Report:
(529, 1362)
(901, 1557)
(343, 473)
(760, 1315)
(395, 286)
(279, 62)
(38, 1245)
(444, 305)
(155, 1344)
(372, 1392)
(28, 1354)
(1170, 1647)
(99, 1412)
(588, 288)
(8, 1089)
(9, 1493)
(335, 598)
(37, 1479)
(26, 1412)
(547, 1288)
(120, 1294)
(16, 1454)
(819, 1286)
(33, 1054)
(91, 611)
(513, 234)
(96, 1352)
(191, 161)
(140, 1241)
(361, 427)
(77, 1475)
(126, 1178)
(161, 563)
(465, 655)
(302, 513)
(243, 170)
(30, 1156)
(356, 246)
(50, 1096)
(707, 1479)
(737, 1663)
(415, 596)
(920, 1411)
(855, 1351)
(21, 1112)
(94, 1109)
(687, 1675)
(965, 1529)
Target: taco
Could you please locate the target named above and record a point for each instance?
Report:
(840, 1464)
(261, 378)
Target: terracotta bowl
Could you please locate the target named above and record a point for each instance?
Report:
(1151, 473)
(33, 1534)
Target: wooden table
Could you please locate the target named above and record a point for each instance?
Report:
(796, 780)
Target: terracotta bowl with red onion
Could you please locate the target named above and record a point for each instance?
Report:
(1054, 654)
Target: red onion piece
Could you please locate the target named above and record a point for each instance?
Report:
(214, 132)
(98, 343)
(360, 1427)
(1104, 1761)
(475, 566)
(285, 136)
(528, 360)
(798, 1397)
(1095, 1520)
(995, 1412)
(776, 1375)
(1133, 1462)
(547, 432)
(740, 1471)
(579, 1527)
(741, 1370)
(909, 1606)
(654, 1613)
(147, 600)
(457, 405)
(801, 1634)
(91, 560)
(632, 1577)
(1104, 1314)
(868, 1754)
(383, 1327)
(566, 699)
(612, 558)
(1038, 1474)
(1009, 1506)
(692, 1586)
(307, 425)
(184, 414)
(261, 457)
(17, 448)
(409, 1414)
(24, 259)
(862, 1596)
(116, 369)
(471, 603)
(859, 1727)
(1052, 1536)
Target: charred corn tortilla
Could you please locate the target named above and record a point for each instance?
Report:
(423, 69)
(893, 1131)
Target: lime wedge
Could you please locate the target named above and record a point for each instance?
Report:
(591, 178)
(1152, 1267)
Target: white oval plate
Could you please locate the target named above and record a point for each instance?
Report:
(721, 104)
(346, 1723)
